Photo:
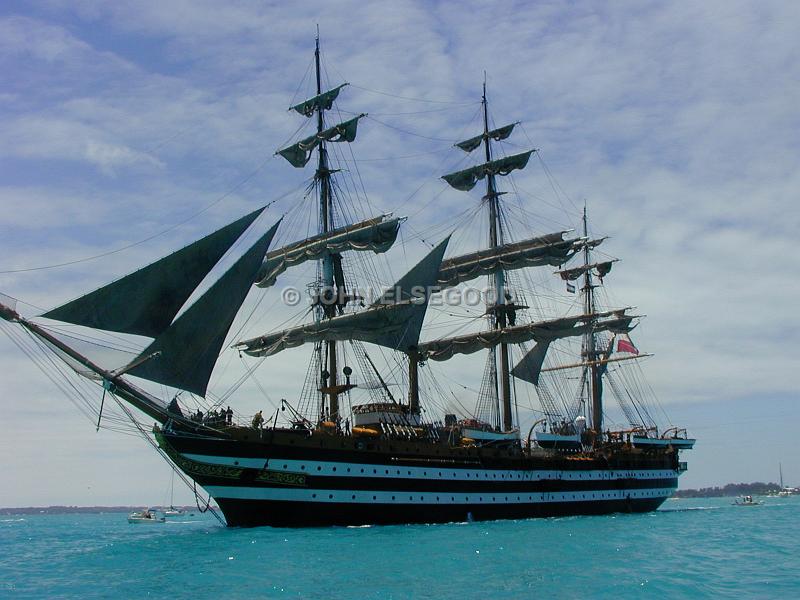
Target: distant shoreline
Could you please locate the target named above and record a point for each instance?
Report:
(757, 488)
(66, 510)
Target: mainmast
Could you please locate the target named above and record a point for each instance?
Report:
(594, 381)
(503, 310)
(496, 239)
(328, 294)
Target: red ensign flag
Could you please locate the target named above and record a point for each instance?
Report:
(626, 346)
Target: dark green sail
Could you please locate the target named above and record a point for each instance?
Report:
(324, 101)
(146, 301)
(299, 154)
(465, 180)
(184, 355)
(530, 366)
(498, 134)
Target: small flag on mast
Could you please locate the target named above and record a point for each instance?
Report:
(570, 288)
(626, 346)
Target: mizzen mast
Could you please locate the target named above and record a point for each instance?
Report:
(594, 376)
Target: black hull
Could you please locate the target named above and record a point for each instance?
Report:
(284, 479)
(254, 513)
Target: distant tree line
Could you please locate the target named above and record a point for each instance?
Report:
(62, 510)
(757, 488)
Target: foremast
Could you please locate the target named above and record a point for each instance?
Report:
(330, 289)
(328, 294)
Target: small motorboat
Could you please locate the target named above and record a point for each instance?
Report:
(146, 516)
(174, 512)
(747, 501)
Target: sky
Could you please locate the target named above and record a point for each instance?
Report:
(129, 129)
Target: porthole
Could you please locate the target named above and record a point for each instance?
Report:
(284, 466)
(319, 468)
(354, 497)
(313, 495)
(374, 497)
(392, 497)
(330, 496)
(302, 467)
(334, 469)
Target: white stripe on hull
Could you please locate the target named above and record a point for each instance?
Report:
(405, 497)
(340, 469)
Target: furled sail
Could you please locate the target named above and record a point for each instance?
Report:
(498, 134)
(299, 154)
(602, 269)
(377, 234)
(146, 301)
(394, 320)
(184, 355)
(465, 180)
(551, 249)
(324, 100)
(446, 348)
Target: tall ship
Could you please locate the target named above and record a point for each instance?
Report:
(372, 436)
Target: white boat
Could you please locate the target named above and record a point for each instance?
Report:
(747, 501)
(146, 516)
(784, 491)
(172, 511)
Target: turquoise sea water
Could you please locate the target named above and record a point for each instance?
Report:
(703, 548)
